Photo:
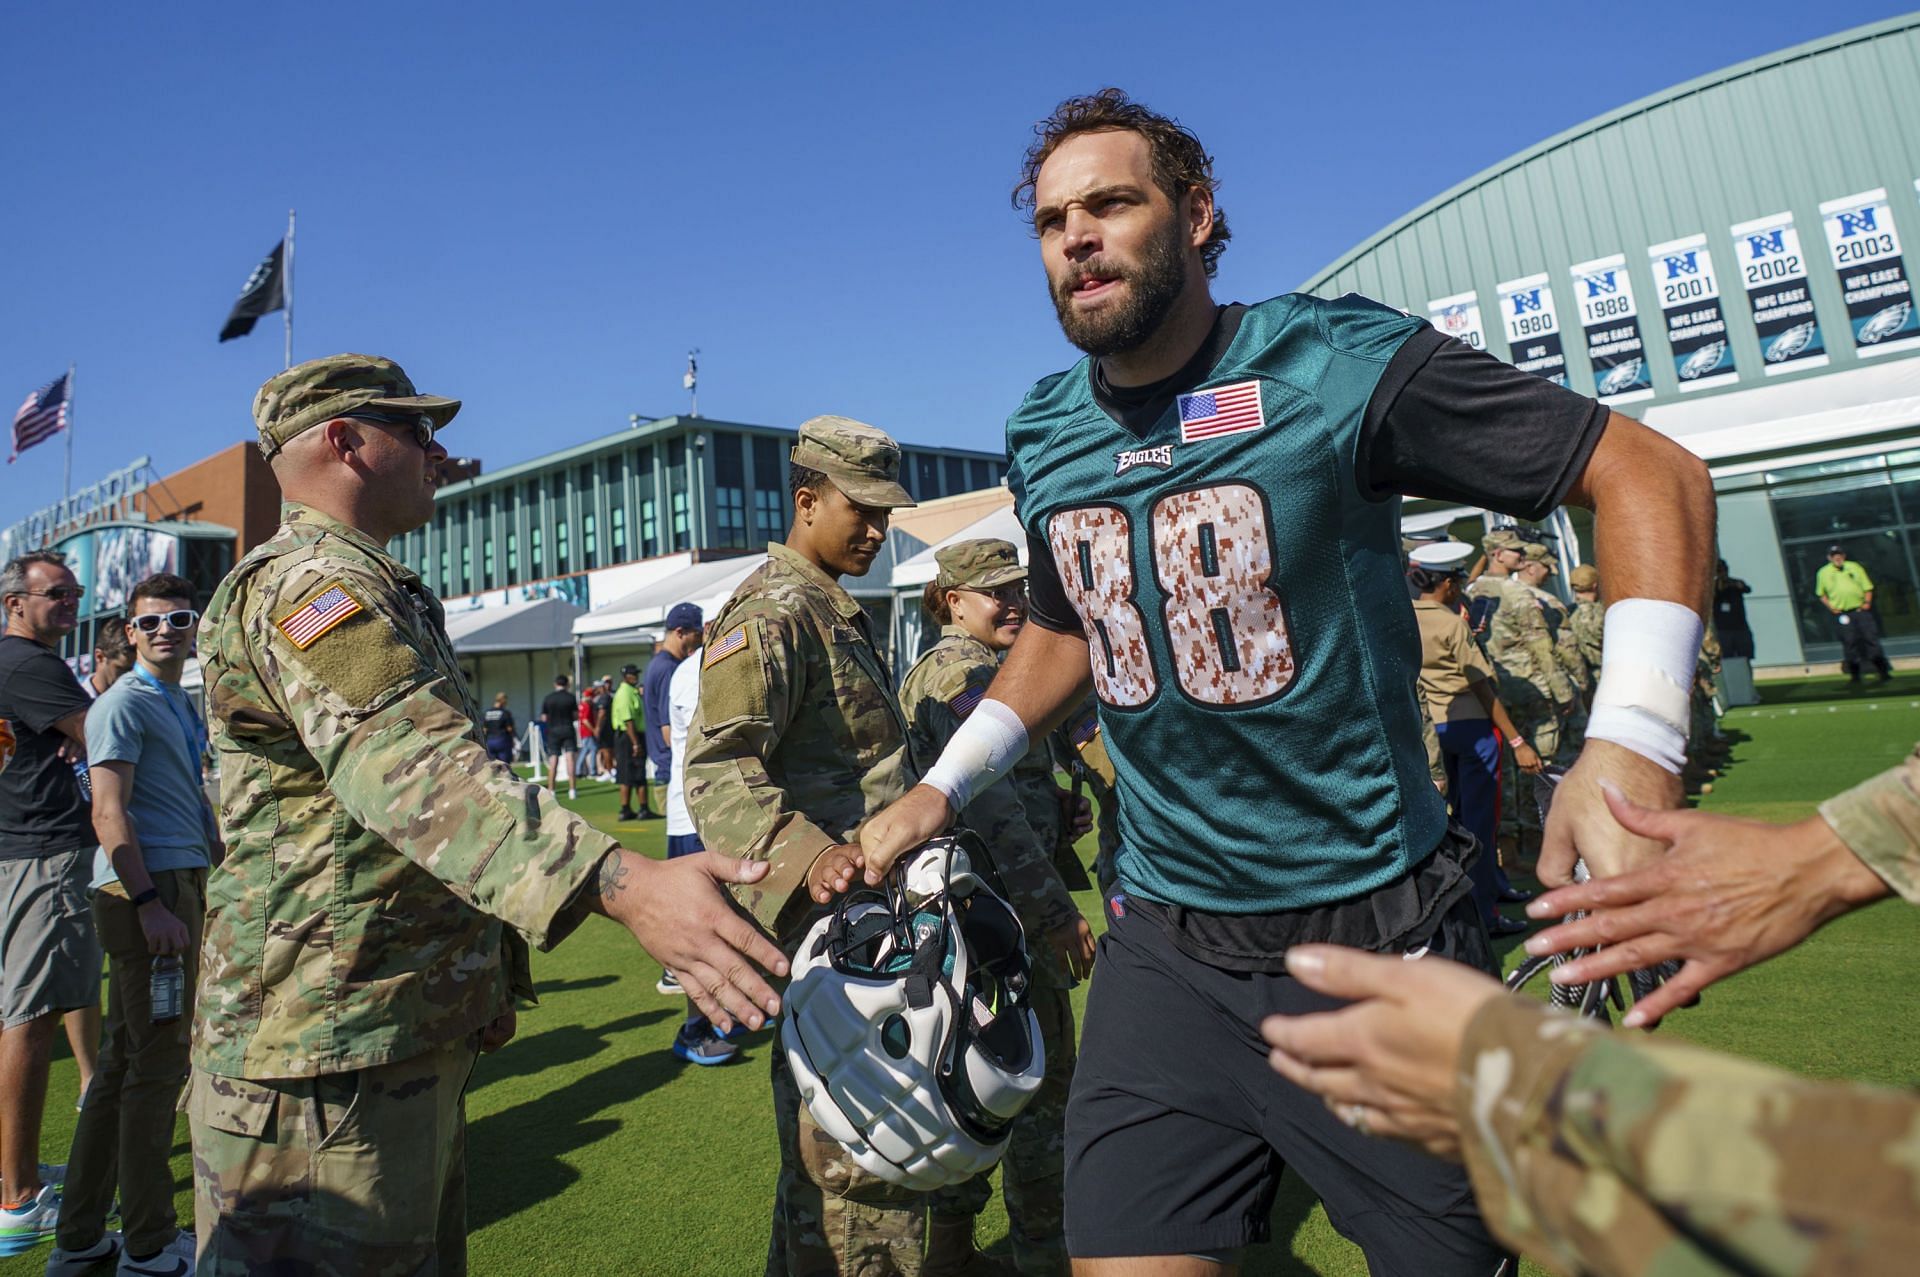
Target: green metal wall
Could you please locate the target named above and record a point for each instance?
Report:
(1787, 132)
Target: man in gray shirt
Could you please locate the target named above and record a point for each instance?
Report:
(145, 741)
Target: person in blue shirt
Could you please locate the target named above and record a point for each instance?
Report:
(1211, 505)
(683, 626)
(145, 745)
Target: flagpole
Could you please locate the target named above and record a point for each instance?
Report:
(66, 471)
(288, 310)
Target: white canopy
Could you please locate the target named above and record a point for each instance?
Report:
(531, 625)
(640, 616)
(1875, 397)
(922, 568)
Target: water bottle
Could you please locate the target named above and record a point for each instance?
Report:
(167, 992)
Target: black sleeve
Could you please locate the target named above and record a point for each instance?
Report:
(1451, 422)
(1047, 605)
(43, 691)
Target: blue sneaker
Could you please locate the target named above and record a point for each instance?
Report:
(25, 1226)
(697, 1043)
(77, 1263)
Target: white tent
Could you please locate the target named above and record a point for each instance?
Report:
(922, 568)
(640, 617)
(530, 625)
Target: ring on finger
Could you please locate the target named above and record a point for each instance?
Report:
(1355, 1116)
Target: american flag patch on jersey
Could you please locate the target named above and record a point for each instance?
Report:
(721, 648)
(963, 703)
(326, 610)
(1224, 410)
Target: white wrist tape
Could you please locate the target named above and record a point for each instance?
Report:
(988, 744)
(1648, 656)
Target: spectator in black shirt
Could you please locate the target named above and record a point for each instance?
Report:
(1730, 613)
(49, 956)
(557, 715)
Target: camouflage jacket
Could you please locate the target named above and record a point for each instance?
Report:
(1521, 647)
(797, 738)
(1018, 820)
(373, 850)
(1589, 625)
(1615, 1153)
(1879, 820)
(1566, 644)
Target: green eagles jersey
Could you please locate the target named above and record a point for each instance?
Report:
(1254, 650)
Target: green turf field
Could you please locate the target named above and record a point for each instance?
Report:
(592, 1150)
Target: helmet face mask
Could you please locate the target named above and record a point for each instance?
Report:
(908, 1029)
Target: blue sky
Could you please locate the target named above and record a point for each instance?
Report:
(539, 207)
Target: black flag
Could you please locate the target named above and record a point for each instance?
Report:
(264, 292)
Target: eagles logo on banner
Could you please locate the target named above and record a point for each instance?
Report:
(1767, 253)
(1604, 293)
(1689, 294)
(1459, 317)
(1873, 275)
(1533, 329)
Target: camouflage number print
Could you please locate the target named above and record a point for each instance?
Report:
(1094, 548)
(1225, 626)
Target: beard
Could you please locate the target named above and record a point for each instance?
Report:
(1153, 285)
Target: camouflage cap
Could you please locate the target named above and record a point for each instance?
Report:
(1535, 552)
(984, 563)
(1501, 539)
(1584, 577)
(862, 460)
(321, 389)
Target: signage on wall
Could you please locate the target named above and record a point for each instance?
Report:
(1459, 317)
(1766, 252)
(1873, 275)
(1533, 328)
(1688, 293)
(1610, 320)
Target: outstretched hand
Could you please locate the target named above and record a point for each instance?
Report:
(920, 814)
(1729, 893)
(1581, 828)
(833, 871)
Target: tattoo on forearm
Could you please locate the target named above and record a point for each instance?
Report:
(612, 879)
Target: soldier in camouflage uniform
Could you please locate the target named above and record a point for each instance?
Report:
(797, 740)
(1537, 568)
(979, 601)
(1589, 619)
(1622, 1155)
(1078, 740)
(368, 931)
(1533, 687)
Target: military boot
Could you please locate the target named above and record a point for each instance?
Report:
(950, 1251)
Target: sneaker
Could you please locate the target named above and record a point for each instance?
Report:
(626, 813)
(703, 1046)
(25, 1226)
(175, 1259)
(647, 813)
(573, 795)
(74, 1263)
(668, 984)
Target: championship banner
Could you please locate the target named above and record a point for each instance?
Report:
(1873, 276)
(1459, 317)
(1611, 322)
(1767, 253)
(1689, 294)
(1533, 329)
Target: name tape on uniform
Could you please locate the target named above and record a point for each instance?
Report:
(304, 626)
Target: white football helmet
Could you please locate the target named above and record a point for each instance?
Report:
(907, 1023)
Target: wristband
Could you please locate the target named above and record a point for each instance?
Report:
(1516, 740)
(988, 744)
(148, 896)
(1649, 650)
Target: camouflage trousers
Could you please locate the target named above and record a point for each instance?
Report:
(360, 1174)
(1519, 804)
(830, 1217)
(1033, 1174)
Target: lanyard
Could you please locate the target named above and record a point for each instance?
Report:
(189, 721)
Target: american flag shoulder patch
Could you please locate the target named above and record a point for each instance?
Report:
(963, 701)
(304, 625)
(726, 645)
(1223, 410)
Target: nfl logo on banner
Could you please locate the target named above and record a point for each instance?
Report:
(1224, 410)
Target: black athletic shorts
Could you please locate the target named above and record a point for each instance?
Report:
(1178, 1128)
(629, 761)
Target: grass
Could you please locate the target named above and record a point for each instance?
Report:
(592, 1150)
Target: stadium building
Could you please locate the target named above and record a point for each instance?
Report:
(1725, 261)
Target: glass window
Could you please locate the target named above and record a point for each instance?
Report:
(926, 476)
(979, 474)
(1871, 511)
(513, 557)
(561, 563)
(617, 520)
(769, 462)
(536, 561)
(956, 468)
(466, 569)
(730, 516)
(729, 460)
(615, 488)
(589, 542)
(680, 519)
(1834, 507)
(769, 514)
(649, 528)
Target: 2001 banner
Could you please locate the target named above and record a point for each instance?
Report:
(1611, 322)
(1873, 276)
(1533, 328)
(1767, 253)
(1689, 295)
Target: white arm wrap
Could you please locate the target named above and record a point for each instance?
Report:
(1648, 656)
(988, 744)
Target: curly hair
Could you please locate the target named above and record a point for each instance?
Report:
(1180, 162)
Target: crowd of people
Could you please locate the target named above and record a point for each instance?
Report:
(1209, 630)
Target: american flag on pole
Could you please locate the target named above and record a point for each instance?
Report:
(42, 416)
(326, 610)
(1224, 410)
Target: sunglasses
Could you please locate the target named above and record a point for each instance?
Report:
(181, 619)
(418, 422)
(60, 593)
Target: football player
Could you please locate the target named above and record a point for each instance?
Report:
(1211, 502)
